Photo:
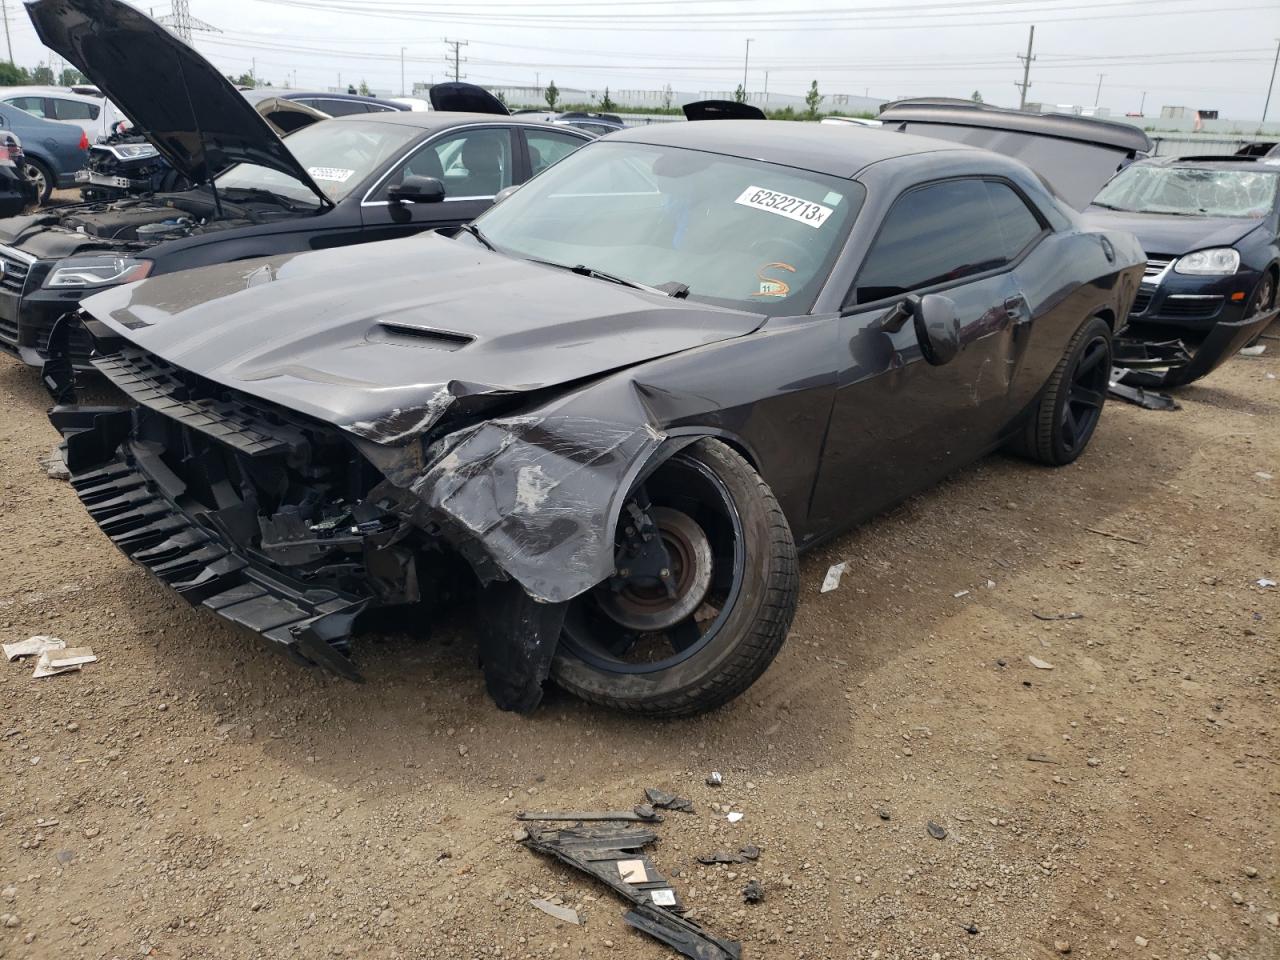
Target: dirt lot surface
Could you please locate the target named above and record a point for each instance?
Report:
(192, 795)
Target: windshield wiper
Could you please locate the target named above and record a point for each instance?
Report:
(257, 193)
(669, 289)
(472, 229)
(1107, 206)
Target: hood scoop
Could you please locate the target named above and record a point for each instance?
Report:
(414, 335)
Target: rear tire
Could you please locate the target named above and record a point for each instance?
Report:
(42, 177)
(716, 652)
(1063, 420)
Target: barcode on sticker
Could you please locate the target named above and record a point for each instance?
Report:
(336, 174)
(784, 205)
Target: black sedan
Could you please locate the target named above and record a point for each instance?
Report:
(612, 410)
(1211, 229)
(370, 176)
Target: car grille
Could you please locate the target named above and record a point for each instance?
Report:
(79, 343)
(1142, 300)
(1191, 308)
(1154, 268)
(15, 272)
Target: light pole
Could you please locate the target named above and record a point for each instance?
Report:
(745, 60)
(1098, 96)
(1142, 105)
(402, 50)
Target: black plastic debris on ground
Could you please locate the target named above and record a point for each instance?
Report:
(1140, 397)
(613, 852)
(747, 852)
(667, 801)
(642, 812)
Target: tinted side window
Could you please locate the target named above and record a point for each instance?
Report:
(31, 105)
(1018, 225)
(933, 234)
(470, 163)
(74, 110)
(339, 108)
(545, 148)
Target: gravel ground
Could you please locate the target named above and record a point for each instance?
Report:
(193, 796)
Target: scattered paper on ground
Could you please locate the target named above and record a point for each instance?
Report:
(1040, 664)
(560, 913)
(32, 647)
(70, 657)
(632, 871)
(832, 579)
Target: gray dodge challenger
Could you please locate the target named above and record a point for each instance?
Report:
(611, 411)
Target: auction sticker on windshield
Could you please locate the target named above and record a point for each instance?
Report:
(785, 205)
(336, 174)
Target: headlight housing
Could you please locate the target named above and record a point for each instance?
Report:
(130, 151)
(1215, 262)
(103, 271)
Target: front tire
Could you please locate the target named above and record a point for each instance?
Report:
(1262, 299)
(1063, 420)
(728, 541)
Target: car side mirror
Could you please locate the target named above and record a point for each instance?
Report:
(504, 193)
(416, 189)
(937, 327)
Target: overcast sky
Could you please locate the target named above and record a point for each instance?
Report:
(1184, 52)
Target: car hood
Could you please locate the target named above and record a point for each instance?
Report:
(1173, 235)
(457, 97)
(380, 339)
(191, 112)
(286, 116)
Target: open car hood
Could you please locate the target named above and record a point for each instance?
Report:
(286, 116)
(465, 98)
(721, 110)
(197, 120)
(381, 338)
(1077, 155)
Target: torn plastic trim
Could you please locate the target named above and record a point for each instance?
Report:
(1171, 363)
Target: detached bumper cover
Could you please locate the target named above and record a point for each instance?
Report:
(1175, 363)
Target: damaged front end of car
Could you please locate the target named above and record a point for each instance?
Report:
(1147, 358)
(293, 527)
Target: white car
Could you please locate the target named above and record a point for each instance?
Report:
(93, 114)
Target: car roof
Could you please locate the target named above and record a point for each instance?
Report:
(48, 92)
(839, 151)
(439, 119)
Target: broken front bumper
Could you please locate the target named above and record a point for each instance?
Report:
(1149, 362)
(132, 496)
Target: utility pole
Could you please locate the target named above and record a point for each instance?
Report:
(1098, 96)
(1266, 106)
(746, 58)
(1142, 105)
(4, 8)
(457, 59)
(1026, 69)
(766, 89)
(402, 49)
(253, 70)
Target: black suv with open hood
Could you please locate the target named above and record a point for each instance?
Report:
(338, 182)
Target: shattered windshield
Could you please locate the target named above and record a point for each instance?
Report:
(739, 233)
(1191, 191)
(338, 156)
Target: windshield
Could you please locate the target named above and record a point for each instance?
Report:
(740, 233)
(1191, 191)
(338, 156)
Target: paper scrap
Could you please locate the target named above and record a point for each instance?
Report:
(665, 897)
(46, 669)
(70, 657)
(559, 912)
(32, 647)
(1040, 664)
(962, 593)
(734, 817)
(633, 871)
(832, 579)
(1266, 582)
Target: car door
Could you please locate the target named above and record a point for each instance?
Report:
(472, 162)
(898, 422)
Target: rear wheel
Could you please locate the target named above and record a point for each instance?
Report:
(684, 629)
(1064, 419)
(42, 178)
